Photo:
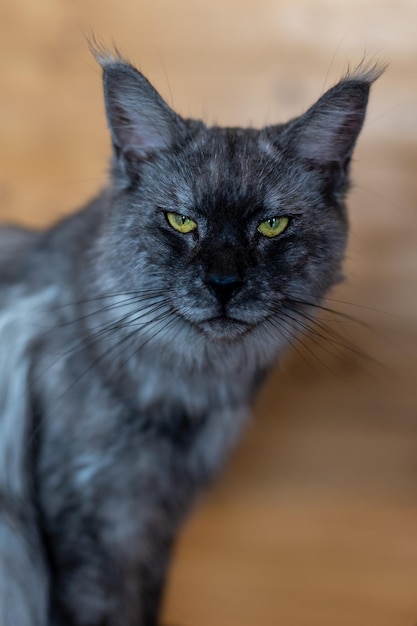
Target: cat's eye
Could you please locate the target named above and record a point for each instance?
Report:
(274, 226)
(181, 223)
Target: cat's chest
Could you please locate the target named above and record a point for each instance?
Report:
(100, 455)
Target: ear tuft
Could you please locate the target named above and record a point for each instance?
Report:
(327, 132)
(366, 72)
(103, 55)
(140, 121)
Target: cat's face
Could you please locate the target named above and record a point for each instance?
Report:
(231, 229)
(234, 231)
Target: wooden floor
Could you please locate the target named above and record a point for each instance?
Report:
(314, 522)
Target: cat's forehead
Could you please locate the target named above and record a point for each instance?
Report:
(231, 173)
(235, 148)
(231, 163)
(234, 168)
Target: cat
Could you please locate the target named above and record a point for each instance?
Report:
(135, 334)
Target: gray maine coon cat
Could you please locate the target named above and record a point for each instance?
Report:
(134, 335)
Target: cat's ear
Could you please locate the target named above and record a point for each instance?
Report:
(141, 123)
(326, 134)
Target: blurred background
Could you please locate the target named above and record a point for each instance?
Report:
(315, 519)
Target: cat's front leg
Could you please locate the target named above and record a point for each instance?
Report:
(23, 574)
(101, 587)
(153, 582)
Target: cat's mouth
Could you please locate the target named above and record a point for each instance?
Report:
(224, 329)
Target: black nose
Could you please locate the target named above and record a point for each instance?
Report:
(223, 287)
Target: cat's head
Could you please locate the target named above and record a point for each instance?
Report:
(235, 230)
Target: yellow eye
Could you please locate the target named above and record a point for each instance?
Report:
(274, 226)
(181, 223)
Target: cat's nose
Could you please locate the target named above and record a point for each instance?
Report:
(224, 287)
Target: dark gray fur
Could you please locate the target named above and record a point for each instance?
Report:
(130, 353)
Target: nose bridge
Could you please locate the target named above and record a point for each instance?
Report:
(225, 261)
(224, 270)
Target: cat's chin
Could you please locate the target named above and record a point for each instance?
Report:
(224, 329)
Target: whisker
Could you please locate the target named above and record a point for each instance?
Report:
(332, 336)
(294, 342)
(128, 320)
(142, 292)
(348, 303)
(300, 340)
(332, 346)
(103, 356)
(302, 306)
(321, 307)
(140, 347)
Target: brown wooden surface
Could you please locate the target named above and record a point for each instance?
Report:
(314, 522)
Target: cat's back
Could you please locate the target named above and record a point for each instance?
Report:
(16, 246)
(37, 259)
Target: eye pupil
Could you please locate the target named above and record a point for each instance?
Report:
(181, 223)
(273, 226)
